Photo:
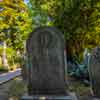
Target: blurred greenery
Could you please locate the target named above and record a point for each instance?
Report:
(14, 59)
(2, 69)
(15, 25)
(79, 21)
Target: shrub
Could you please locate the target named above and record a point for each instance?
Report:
(3, 69)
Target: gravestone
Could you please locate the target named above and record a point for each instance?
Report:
(45, 62)
(94, 71)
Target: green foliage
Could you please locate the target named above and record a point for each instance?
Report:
(12, 56)
(15, 23)
(77, 19)
(3, 69)
(39, 17)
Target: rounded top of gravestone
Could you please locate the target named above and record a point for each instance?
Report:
(45, 32)
(47, 29)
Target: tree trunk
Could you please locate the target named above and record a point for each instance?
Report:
(4, 56)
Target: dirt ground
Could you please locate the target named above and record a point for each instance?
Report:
(12, 89)
(82, 91)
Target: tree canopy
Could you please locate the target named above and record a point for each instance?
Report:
(15, 23)
(77, 19)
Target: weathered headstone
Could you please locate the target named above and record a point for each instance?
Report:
(94, 71)
(46, 66)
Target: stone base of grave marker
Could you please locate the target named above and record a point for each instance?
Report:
(70, 96)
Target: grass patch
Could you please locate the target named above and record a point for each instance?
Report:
(18, 88)
(2, 69)
(79, 88)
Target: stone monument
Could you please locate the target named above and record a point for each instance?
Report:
(45, 64)
(94, 71)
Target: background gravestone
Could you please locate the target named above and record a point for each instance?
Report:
(45, 58)
(94, 71)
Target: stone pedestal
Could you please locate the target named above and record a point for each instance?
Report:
(70, 96)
